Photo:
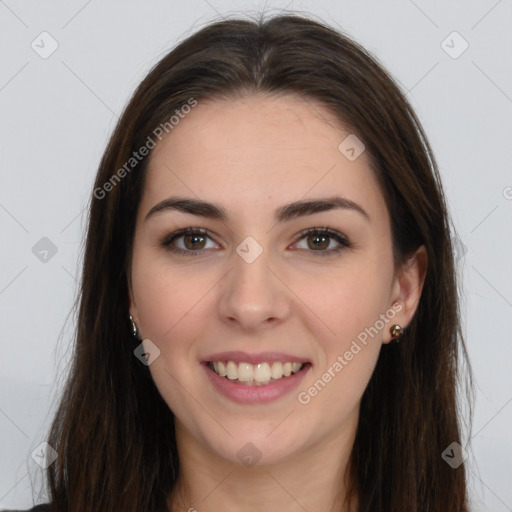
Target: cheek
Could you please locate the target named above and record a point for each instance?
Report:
(347, 300)
(347, 352)
(165, 297)
(173, 307)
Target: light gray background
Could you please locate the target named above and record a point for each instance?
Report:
(57, 113)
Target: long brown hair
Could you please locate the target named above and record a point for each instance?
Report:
(113, 432)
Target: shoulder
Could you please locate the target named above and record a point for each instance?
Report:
(37, 508)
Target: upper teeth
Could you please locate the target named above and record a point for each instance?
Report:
(261, 372)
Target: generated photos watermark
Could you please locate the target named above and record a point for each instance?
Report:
(304, 397)
(143, 151)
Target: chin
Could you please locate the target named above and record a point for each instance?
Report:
(258, 449)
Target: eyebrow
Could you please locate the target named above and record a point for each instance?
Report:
(284, 213)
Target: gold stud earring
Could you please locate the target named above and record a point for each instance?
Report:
(396, 332)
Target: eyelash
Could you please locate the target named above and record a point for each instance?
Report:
(323, 231)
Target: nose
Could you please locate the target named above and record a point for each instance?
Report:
(253, 295)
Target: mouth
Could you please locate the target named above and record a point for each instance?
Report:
(260, 374)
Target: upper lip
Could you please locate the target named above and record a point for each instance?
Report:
(254, 358)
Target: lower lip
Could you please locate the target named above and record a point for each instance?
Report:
(246, 394)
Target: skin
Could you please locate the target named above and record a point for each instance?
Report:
(252, 155)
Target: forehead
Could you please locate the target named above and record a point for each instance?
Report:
(259, 150)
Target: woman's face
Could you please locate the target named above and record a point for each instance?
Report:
(255, 288)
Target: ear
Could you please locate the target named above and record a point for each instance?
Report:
(407, 288)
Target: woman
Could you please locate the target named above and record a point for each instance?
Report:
(268, 315)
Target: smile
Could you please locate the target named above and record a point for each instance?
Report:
(259, 374)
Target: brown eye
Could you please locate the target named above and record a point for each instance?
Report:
(189, 241)
(193, 241)
(319, 239)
